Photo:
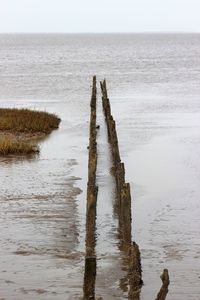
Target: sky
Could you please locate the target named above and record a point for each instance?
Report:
(77, 16)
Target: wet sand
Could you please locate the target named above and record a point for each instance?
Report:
(154, 95)
(162, 163)
(41, 228)
(43, 209)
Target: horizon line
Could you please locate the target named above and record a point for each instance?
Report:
(115, 32)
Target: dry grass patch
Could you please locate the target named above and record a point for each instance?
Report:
(9, 145)
(20, 127)
(27, 121)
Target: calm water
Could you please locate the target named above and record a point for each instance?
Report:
(154, 90)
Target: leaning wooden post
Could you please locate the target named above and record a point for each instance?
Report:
(165, 284)
(92, 191)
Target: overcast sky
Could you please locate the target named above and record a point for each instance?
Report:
(99, 15)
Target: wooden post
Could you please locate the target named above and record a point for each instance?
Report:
(111, 128)
(120, 174)
(125, 213)
(114, 142)
(135, 272)
(165, 284)
(91, 220)
(89, 277)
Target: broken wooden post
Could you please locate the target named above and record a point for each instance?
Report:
(165, 284)
(89, 277)
(135, 273)
(92, 191)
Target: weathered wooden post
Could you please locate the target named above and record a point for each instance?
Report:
(165, 284)
(111, 128)
(114, 143)
(89, 277)
(106, 106)
(91, 220)
(120, 180)
(125, 213)
(135, 273)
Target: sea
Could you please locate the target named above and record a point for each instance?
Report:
(153, 85)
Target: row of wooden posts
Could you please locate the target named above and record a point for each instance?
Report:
(123, 196)
(123, 203)
(92, 190)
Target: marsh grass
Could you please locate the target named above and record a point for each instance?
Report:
(27, 121)
(20, 127)
(9, 145)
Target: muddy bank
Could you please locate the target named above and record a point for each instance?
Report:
(40, 235)
(42, 224)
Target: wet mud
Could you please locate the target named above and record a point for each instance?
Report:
(41, 225)
(154, 95)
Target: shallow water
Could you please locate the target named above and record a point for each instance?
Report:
(154, 90)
